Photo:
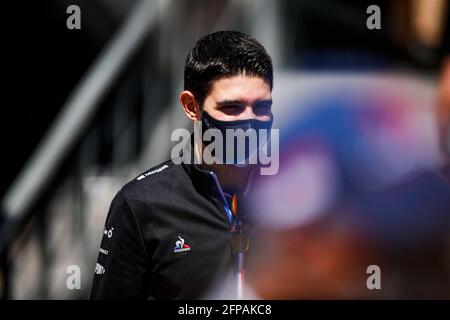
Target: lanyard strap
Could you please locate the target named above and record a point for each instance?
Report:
(231, 216)
(239, 239)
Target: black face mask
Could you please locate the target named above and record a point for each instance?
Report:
(240, 158)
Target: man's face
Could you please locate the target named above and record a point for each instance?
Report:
(239, 98)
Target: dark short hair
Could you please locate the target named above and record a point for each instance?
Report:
(224, 54)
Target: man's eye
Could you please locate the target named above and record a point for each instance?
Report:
(232, 109)
(262, 110)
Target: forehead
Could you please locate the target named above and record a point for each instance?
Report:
(240, 88)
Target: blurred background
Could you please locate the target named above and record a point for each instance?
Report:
(366, 112)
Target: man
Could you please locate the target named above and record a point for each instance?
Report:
(168, 232)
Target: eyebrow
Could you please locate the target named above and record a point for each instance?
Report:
(231, 102)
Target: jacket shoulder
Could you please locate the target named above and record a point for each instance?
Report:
(154, 180)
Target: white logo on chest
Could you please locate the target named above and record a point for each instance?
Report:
(181, 246)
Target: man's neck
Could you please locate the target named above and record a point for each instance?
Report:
(231, 178)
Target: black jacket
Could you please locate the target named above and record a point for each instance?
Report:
(167, 236)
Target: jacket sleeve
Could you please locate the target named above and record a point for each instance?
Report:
(121, 268)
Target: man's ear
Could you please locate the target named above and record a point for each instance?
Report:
(190, 105)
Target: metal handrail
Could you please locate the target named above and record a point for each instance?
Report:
(77, 113)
